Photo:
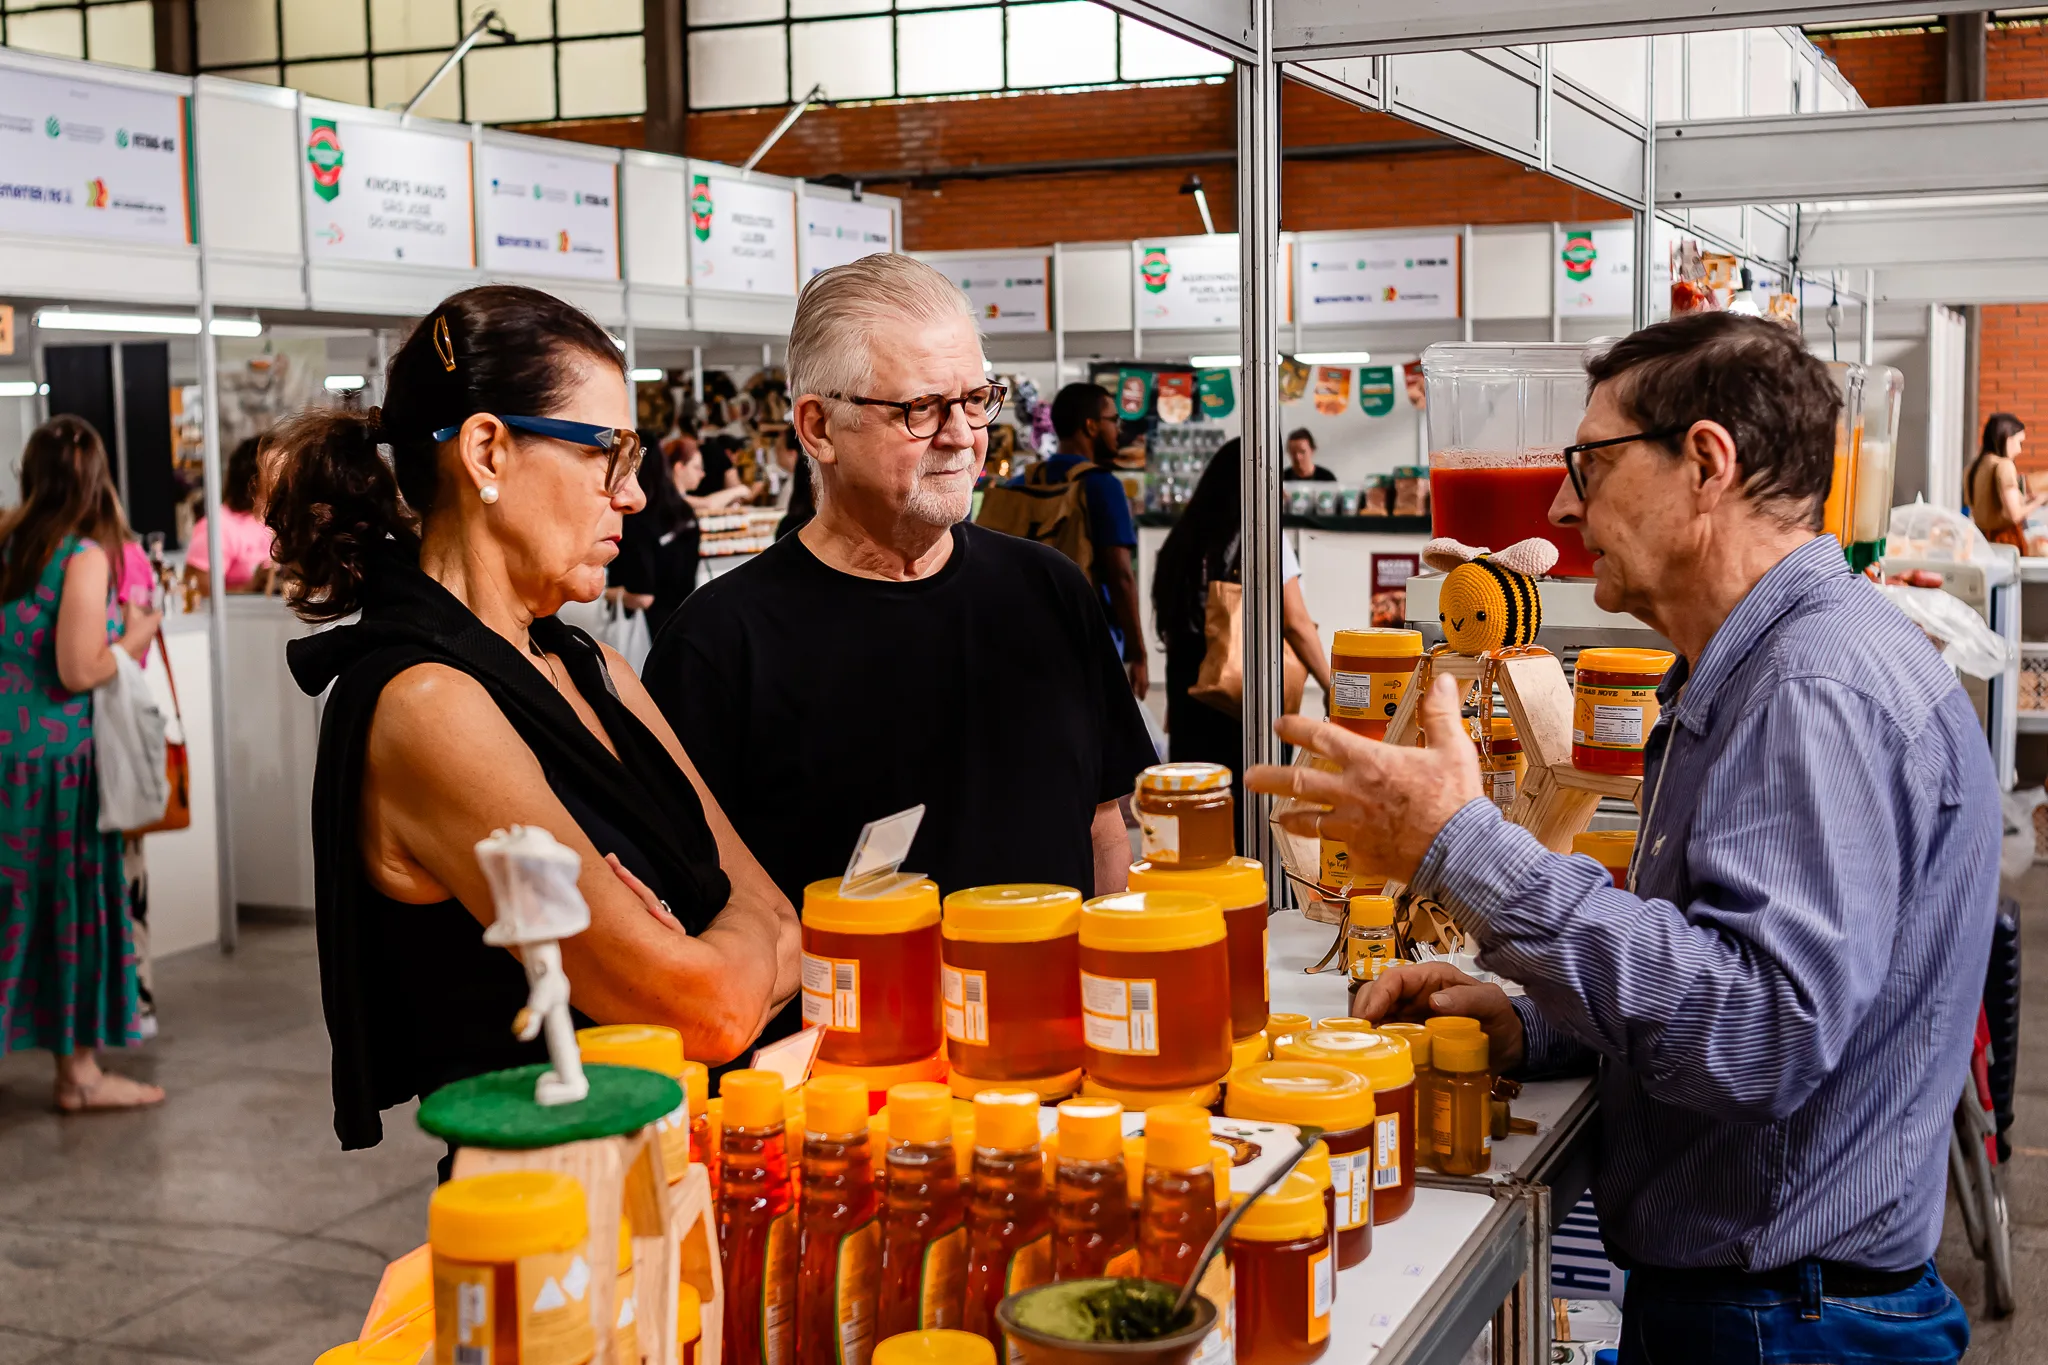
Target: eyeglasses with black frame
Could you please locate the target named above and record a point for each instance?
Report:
(621, 445)
(1574, 456)
(925, 414)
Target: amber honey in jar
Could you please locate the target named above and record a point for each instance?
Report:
(1187, 817)
(1503, 767)
(1417, 1037)
(1613, 849)
(1387, 1066)
(1340, 1102)
(1286, 1283)
(1369, 674)
(1155, 990)
(1614, 707)
(1239, 886)
(1010, 986)
(497, 1240)
(1461, 1111)
(871, 973)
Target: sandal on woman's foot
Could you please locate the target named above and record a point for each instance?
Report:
(107, 1094)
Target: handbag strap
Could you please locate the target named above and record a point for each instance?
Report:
(170, 678)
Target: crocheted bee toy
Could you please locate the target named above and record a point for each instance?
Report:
(1489, 600)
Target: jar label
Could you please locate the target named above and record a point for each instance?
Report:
(1030, 1265)
(463, 1312)
(1120, 1016)
(1613, 717)
(1386, 1166)
(1440, 1120)
(1368, 696)
(832, 993)
(965, 994)
(942, 1286)
(1159, 837)
(1351, 1183)
(554, 1309)
(1503, 788)
(854, 1304)
(1336, 862)
(1322, 1291)
(778, 1293)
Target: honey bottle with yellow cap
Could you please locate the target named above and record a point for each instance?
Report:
(1286, 1281)
(924, 1213)
(1009, 1230)
(757, 1235)
(838, 1258)
(1177, 1214)
(1369, 945)
(1461, 1124)
(1091, 1214)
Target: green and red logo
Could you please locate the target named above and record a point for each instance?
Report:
(323, 154)
(1578, 255)
(95, 194)
(701, 206)
(1154, 268)
(561, 241)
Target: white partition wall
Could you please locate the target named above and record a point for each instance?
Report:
(655, 239)
(247, 152)
(743, 250)
(548, 216)
(835, 227)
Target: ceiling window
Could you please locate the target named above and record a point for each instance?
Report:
(120, 32)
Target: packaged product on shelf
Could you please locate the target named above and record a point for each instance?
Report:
(1614, 707)
(497, 1240)
(1010, 986)
(1155, 990)
(1091, 1214)
(1411, 491)
(1613, 849)
(1503, 767)
(1461, 1108)
(838, 1256)
(1417, 1038)
(1187, 817)
(1009, 1224)
(1239, 886)
(1370, 670)
(924, 1214)
(1340, 1102)
(871, 973)
(1369, 947)
(1383, 1060)
(757, 1235)
(1286, 1283)
(1177, 1214)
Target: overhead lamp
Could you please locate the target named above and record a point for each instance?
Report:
(154, 324)
(342, 383)
(1193, 185)
(646, 376)
(1334, 357)
(1216, 362)
(22, 388)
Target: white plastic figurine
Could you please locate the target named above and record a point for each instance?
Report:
(533, 882)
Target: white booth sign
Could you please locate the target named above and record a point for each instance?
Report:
(1009, 293)
(378, 193)
(1596, 272)
(1378, 279)
(550, 215)
(1189, 285)
(81, 159)
(745, 236)
(838, 231)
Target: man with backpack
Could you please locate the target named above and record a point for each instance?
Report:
(1073, 503)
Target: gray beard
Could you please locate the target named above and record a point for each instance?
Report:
(931, 507)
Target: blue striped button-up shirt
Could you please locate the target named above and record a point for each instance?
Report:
(1781, 1013)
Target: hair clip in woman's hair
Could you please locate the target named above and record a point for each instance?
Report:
(444, 346)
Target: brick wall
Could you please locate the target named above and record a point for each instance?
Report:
(2012, 373)
(1887, 69)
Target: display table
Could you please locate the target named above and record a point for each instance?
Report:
(1472, 1250)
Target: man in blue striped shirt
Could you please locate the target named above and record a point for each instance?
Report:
(1781, 1006)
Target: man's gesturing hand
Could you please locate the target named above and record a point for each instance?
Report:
(1387, 802)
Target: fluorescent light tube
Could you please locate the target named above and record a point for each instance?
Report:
(647, 376)
(342, 383)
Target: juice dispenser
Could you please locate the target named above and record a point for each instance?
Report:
(1500, 416)
(1841, 503)
(1884, 388)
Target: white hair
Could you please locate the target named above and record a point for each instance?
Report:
(840, 311)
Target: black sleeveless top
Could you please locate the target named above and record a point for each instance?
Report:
(414, 998)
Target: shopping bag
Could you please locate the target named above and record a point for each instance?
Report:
(1221, 681)
(177, 763)
(128, 748)
(626, 631)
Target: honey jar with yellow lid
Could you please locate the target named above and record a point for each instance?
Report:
(871, 973)
(1370, 671)
(1010, 987)
(1155, 990)
(1239, 886)
(1385, 1062)
(1187, 816)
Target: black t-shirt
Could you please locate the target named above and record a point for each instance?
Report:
(812, 702)
(717, 460)
(656, 563)
(1321, 475)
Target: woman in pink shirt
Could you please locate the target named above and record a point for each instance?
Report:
(245, 541)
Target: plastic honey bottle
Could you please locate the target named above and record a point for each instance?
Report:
(838, 1258)
(757, 1235)
(1177, 1214)
(924, 1233)
(1091, 1201)
(1008, 1227)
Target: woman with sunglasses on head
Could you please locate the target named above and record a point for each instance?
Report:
(460, 706)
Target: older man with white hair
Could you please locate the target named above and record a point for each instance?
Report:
(892, 654)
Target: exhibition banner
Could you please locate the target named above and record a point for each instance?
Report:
(1193, 285)
(374, 192)
(1217, 394)
(840, 231)
(1596, 272)
(1378, 278)
(1376, 390)
(550, 215)
(1009, 293)
(85, 159)
(742, 236)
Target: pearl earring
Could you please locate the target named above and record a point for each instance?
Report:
(489, 493)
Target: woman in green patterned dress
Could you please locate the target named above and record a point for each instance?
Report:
(67, 963)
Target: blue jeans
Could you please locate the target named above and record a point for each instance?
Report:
(1662, 1324)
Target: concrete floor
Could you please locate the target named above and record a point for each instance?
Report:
(227, 1226)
